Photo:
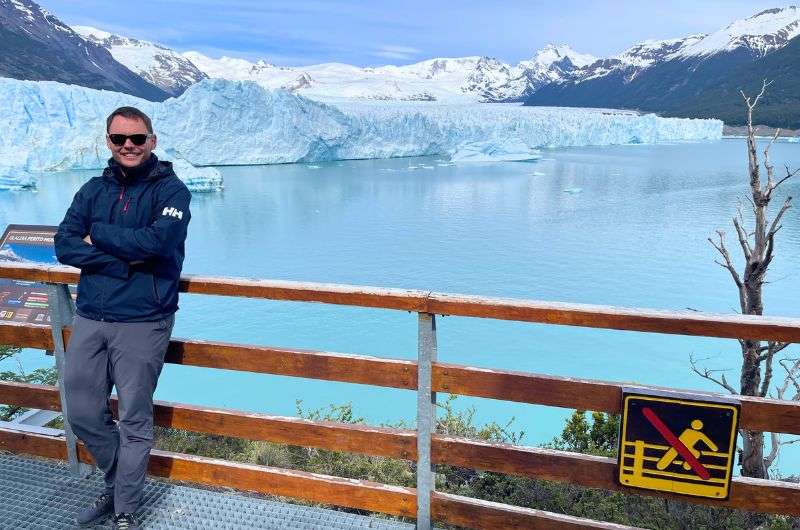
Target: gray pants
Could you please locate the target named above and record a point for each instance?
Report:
(129, 356)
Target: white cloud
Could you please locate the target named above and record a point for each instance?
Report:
(396, 52)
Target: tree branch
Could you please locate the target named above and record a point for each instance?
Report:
(764, 85)
(792, 378)
(769, 167)
(707, 374)
(752, 204)
(775, 440)
(770, 237)
(773, 228)
(730, 267)
(775, 346)
(738, 223)
(752, 154)
(789, 174)
(772, 349)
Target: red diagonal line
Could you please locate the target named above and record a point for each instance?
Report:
(676, 443)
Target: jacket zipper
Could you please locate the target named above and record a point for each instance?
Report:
(155, 291)
(127, 201)
(111, 220)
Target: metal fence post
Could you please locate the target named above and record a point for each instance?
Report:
(426, 418)
(62, 311)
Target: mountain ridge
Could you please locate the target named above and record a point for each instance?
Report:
(701, 78)
(691, 76)
(157, 64)
(39, 47)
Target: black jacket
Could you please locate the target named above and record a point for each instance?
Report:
(141, 217)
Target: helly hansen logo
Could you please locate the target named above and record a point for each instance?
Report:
(174, 212)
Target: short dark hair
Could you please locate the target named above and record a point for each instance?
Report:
(130, 113)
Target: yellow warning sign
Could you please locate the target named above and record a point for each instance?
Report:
(677, 445)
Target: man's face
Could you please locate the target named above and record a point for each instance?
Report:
(129, 154)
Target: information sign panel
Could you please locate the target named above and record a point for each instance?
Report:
(22, 301)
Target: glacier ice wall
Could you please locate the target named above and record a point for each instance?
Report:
(225, 122)
(52, 126)
(217, 122)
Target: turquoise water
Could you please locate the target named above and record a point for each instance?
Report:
(615, 225)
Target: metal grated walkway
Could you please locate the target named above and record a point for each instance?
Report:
(41, 494)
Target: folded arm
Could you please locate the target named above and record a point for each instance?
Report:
(71, 249)
(158, 240)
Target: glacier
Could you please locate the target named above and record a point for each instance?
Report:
(51, 126)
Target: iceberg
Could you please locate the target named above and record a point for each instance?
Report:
(197, 179)
(15, 179)
(492, 152)
(216, 122)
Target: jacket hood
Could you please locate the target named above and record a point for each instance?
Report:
(151, 169)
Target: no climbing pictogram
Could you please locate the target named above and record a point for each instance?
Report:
(677, 444)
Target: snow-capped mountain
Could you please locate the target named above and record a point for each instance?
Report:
(759, 34)
(697, 76)
(673, 76)
(562, 57)
(36, 45)
(442, 79)
(551, 64)
(650, 52)
(631, 61)
(161, 66)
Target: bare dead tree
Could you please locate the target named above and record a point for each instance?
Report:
(758, 249)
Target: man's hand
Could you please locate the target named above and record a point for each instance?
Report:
(88, 239)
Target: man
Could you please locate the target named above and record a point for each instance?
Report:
(125, 231)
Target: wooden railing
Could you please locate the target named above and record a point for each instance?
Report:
(425, 376)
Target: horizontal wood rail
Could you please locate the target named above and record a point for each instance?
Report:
(583, 315)
(325, 489)
(352, 493)
(352, 438)
(30, 396)
(596, 472)
(427, 375)
(466, 511)
(585, 394)
(26, 335)
(766, 496)
(393, 373)
(363, 369)
(759, 414)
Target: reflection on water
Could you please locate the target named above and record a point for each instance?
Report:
(614, 225)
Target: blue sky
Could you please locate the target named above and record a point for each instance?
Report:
(375, 32)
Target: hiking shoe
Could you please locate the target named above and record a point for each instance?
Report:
(101, 507)
(125, 521)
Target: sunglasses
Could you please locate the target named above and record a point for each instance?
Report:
(136, 139)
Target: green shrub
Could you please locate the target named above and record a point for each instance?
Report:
(40, 376)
